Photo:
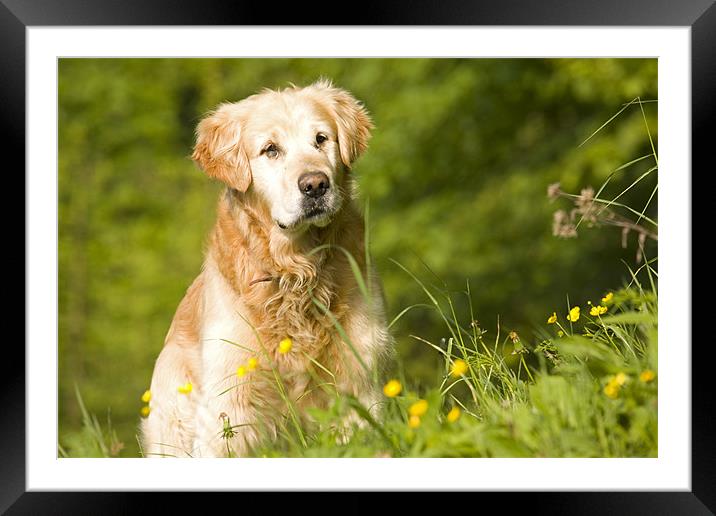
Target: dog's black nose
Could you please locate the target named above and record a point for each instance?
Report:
(313, 184)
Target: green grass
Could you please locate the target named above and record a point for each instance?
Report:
(545, 398)
(94, 440)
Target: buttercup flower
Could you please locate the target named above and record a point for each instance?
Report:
(285, 346)
(573, 315)
(612, 390)
(392, 388)
(419, 408)
(414, 422)
(552, 318)
(186, 388)
(459, 367)
(606, 299)
(241, 371)
(614, 385)
(146, 396)
(647, 376)
(597, 310)
(453, 415)
(252, 364)
(145, 411)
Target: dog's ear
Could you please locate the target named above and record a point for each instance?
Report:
(352, 120)
(218, 149)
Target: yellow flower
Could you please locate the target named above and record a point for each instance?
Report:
(552, 318)
(453, 415)
(285, 346)
(392, 388)
(145, 411)
(647, 376)
(146, 396)
(414, 421)
(573, 315)
(459, 367)
(614, 385)
(186, 388)
(606, 299)
(612, 390)
(560, 333)
(419, 408)
(252, 364)
(241, 371)
(597, 310)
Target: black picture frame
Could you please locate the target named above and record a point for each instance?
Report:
(700, 15)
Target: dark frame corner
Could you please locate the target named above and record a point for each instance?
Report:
(17, 15)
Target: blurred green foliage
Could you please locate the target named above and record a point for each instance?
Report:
(456, 177)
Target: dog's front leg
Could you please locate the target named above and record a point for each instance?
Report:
(225, 415)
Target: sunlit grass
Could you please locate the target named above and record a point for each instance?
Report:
(558, 405)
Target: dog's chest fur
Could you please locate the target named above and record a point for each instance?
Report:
(286, 286)
(294, 306)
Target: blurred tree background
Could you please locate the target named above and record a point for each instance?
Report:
(456, 177)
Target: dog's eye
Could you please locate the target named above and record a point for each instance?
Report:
(320, 138)
(270, 150)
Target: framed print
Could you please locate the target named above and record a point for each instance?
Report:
(433, 264)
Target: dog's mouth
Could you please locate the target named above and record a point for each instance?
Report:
(314, 213)
(318, 216)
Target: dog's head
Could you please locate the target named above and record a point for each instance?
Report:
(292, 148)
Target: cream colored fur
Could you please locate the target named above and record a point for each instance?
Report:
(265, 264)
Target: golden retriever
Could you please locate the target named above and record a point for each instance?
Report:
(276, 314)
